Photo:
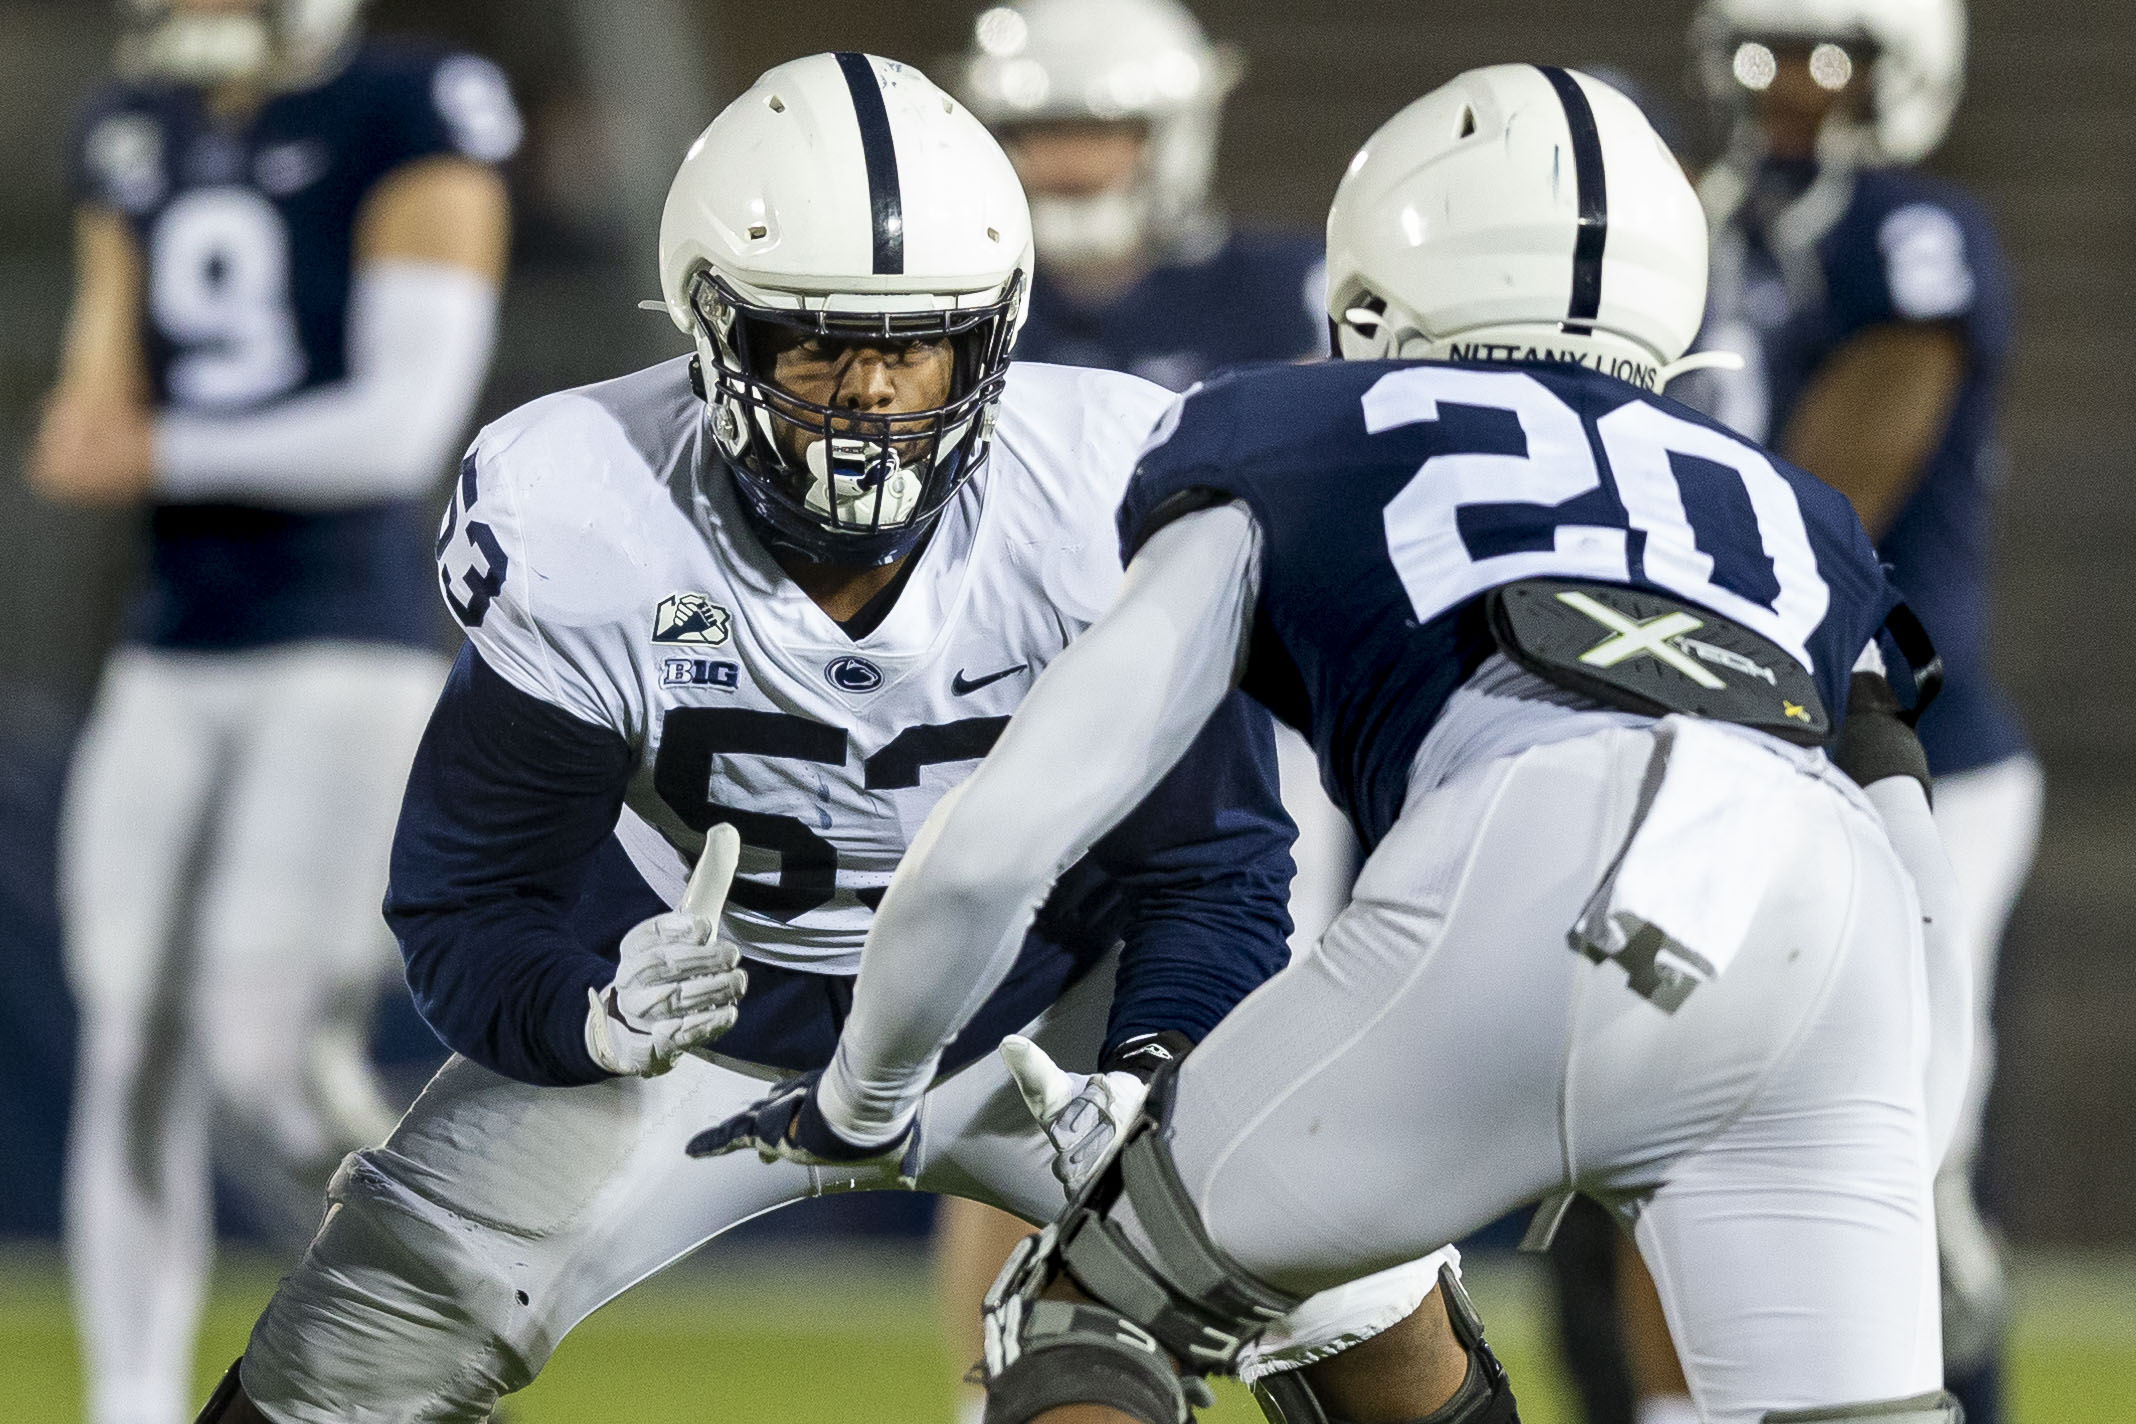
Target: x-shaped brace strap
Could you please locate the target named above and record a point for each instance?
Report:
(1629, 638)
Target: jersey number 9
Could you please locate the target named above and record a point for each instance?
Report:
(219, 292)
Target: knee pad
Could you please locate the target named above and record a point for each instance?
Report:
(1156, 1319)
(1935, 1407)
(1485, 1395)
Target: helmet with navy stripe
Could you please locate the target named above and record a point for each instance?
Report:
(271, 42)
(1913, 51)
(1521, 212)
(845, 199)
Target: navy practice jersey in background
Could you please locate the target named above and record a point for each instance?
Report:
(247, 229)
(1254, 297)
(1901, 247)
(1393, 495)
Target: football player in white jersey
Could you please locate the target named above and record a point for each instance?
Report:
(1625, 928)
(760, 608)
(289, 247)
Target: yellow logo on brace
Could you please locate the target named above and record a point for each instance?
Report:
(1794, 710)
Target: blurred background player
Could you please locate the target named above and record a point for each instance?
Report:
(289, 245)
(1872, 309)
(1111, 111)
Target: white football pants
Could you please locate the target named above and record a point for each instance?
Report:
(1446, 1056)
(1989, 819)
(498, 1215)
(1325, 852)
(223, 853)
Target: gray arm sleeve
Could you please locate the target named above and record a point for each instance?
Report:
(1104, 723)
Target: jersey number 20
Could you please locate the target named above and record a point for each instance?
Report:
(1756, 567)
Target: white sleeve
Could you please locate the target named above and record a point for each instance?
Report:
(1911, 828)
(530, 575)
(420, 335)
(1103, 724)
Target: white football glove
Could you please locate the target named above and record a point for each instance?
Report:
(1082, 1114)
(677, 982)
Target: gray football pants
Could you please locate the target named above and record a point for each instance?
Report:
(1445, 1056)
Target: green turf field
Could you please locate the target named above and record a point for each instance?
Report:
(796, 1336)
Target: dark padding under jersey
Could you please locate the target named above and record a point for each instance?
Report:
(1876, 740)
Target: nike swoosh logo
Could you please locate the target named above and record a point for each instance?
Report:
(960, 684)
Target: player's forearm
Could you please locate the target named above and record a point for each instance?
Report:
(420, 336)
(1874, 414)
(507, 799)
(1102, 726)
(504, 983)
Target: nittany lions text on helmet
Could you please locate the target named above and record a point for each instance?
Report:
(845, 199)
(1459, 232)
(1914, 51)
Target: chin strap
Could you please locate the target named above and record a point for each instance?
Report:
(1701, 361)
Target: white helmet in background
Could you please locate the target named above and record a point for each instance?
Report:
(1102, 61)
(1521, 212)
(847, 198)
(275, 42)
(1915, 50)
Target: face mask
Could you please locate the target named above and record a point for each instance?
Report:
(1102, 227)
(208, 49)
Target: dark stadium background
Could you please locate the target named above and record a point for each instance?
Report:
(614, 90)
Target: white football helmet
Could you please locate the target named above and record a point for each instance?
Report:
(846, 197)
(1521, 212)
(1915, 50)
(277, 42)
(1105, 60)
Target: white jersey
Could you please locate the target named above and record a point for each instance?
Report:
(602, 562)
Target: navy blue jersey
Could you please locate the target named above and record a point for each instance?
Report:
(1903, 248)
(1392, 495)
(1258, 297)
(247, 229)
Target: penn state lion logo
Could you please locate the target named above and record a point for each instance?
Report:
(691, 618)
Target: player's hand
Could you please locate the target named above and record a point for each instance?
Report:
(1083, 1115)
(787, 1126)
(677, 983)
(93, 451)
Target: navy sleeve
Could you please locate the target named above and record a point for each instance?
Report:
(114, 159)
(1204, 866)
(433, 104)
(1207, 449)
(1916, 250)
(507, 802)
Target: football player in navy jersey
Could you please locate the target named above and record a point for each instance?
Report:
(1110, 110)
(1872, 305)
(289, 247)
(1570, 655)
